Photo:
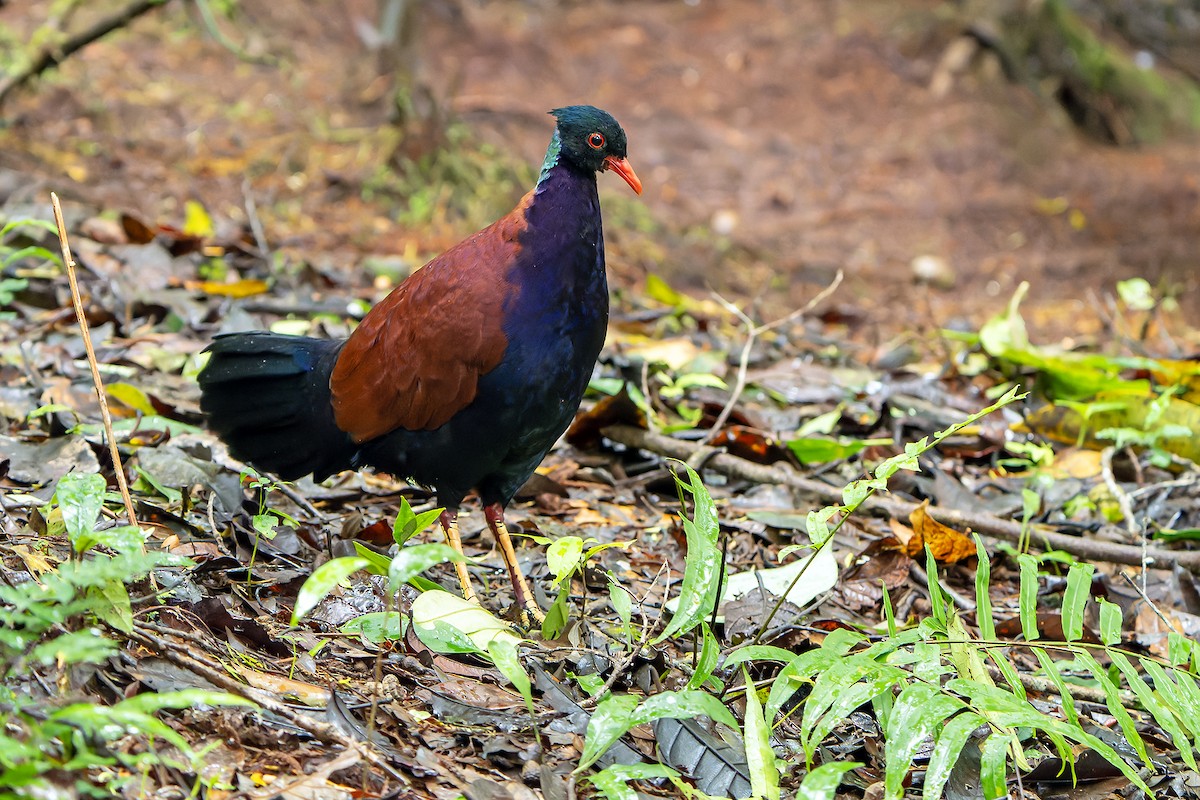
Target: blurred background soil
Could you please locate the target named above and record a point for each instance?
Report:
(778, 142)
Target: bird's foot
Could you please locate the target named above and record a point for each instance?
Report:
(529, 616)
(527, 608)
(449, 523)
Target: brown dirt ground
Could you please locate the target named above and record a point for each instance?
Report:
(806, 127)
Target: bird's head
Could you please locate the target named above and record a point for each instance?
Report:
(593, 140)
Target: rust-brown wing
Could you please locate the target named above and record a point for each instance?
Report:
(416, 358)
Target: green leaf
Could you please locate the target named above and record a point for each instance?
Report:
(946, 750)
(152, 702)
(610, 721)
(122, 539)
(1110, 622)
(622, 603)
(1028, 596)
(106, 722)
(816, 523)
(110, 602)
(798, 668)
(1006, 710)
(919, 711)
(1149, 700)
(87, 646)
(842, 687)
(1079, 589)
(855, 492)
(760, 758)
(937, 599)
(563, 556)
(710, 651)
(323, 581)
(264, 525)
(658, 289)
(1112, 699)
(816, 450)
(983, 600)
(1184, 704)
(822, 782)
(409, 524)
(131, 396)
(698, 591)
(503, 651)
(377, 627)
(1064, 691)
(557, 616)
(172, 496)
(617, 714)
(415, 559)
(613, 781)
(682, 705)
(377, 563)
(28, 222)
(81, 496)
(444, 619)
(993, 765)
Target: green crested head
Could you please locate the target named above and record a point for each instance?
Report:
(590, 139)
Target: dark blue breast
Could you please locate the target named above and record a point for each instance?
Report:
(555, 323)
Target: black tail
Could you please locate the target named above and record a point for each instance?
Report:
(267, 396)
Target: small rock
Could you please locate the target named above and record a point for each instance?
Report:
(934, 271)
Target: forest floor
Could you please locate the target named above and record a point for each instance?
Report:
(779, 143)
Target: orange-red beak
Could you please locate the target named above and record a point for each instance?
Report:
(622, 168)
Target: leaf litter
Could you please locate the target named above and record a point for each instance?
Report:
(823, 400)
(253, 543)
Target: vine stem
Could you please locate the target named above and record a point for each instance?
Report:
(97, 381)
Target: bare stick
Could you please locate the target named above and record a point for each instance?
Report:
(97, 381)
(753, 332)
(53, 55)
(984, 523)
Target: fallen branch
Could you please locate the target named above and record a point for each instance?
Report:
(322, 731)
(983, 523)
(54, 54)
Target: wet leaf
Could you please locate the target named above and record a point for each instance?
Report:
(415, 559)
(764, 775)
(698, 592)
(81, 496)
(822, 782)
(618, 714)
(447, 623)
(324, 580)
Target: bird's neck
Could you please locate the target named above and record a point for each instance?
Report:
(552, 155)
(562, 247)
(564, 210)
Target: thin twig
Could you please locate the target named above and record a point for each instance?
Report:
(97, 381)
(1126, 505)
(752, 333)
(256, 226)
(54, 54)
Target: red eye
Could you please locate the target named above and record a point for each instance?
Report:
(596, 141)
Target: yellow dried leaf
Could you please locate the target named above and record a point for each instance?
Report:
(947, 544)
(243, 288)
(196, 221)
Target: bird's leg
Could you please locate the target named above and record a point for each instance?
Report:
(494, 514)
(449, 523)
